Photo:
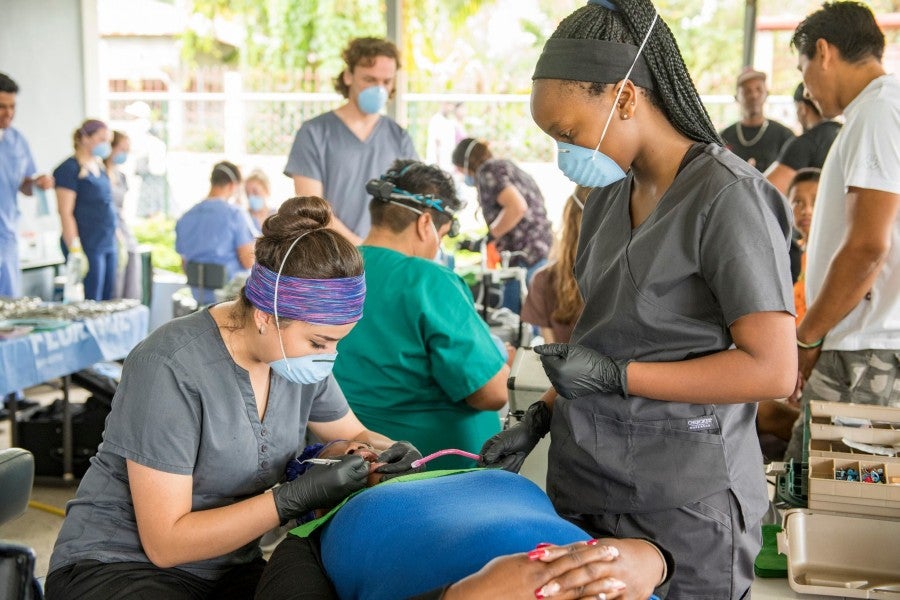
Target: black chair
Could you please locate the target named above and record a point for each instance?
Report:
(205, 276)
(17, 580)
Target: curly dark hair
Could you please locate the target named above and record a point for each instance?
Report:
(363, 51)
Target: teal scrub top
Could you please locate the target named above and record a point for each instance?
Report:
(420, 349)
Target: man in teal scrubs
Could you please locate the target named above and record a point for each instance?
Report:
(421, 364)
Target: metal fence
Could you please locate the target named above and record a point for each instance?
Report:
(239, 122)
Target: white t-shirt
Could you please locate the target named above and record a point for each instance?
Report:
(865, 154)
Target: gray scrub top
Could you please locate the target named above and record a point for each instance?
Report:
(185, 407)
(714, 249)
(326, 150)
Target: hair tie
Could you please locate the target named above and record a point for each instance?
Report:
(227, 170)
(469, 149)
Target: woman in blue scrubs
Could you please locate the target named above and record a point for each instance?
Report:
(86, 209)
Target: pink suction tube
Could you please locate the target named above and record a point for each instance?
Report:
(425, 459)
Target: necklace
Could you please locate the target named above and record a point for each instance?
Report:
(747, 143)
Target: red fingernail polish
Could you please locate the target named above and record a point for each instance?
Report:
(536, 554)
(592, 542)
(543, 545)
(538, 593)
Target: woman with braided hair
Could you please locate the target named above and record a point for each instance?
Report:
(683, 266)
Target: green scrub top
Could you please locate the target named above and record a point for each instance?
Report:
(418, 352)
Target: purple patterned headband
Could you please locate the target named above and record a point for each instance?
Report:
(335, 301)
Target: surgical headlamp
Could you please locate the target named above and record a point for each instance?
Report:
(386, 191)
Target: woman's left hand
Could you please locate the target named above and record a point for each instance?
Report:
(626, 569)
(399, 459)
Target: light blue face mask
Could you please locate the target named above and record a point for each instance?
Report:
(311, 368)
(372, 99)
(592, 168)
(255, 202)
(119, 158)
(469, 180)
(102, 150)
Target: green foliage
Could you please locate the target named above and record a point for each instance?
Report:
(159, 233)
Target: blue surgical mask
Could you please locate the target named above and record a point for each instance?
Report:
(311, 368)
(119, 158)
(592, 168)
(469, 180)
(255, 202)
(372, 99)
(102, 150)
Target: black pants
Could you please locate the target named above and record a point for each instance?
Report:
(295, 572)
(94, 580)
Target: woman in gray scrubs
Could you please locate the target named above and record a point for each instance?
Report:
(683, 266)
(210, 409)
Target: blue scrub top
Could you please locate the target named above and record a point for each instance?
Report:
(95, 213)
(16, 163)
(211, 232)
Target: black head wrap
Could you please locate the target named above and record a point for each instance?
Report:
(596, 61)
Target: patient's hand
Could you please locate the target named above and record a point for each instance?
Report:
(627, 569)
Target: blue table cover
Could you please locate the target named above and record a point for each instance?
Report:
(44, 355)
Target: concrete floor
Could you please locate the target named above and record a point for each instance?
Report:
(39, 528)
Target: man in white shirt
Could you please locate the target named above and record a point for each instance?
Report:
(849, 340)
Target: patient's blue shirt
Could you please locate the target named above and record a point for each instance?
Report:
(443, 528)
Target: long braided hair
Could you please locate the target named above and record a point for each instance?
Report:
(675, 94)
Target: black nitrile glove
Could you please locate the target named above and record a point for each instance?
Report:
(470, 245)
(322, 486)
(508, 449)
(576, 371)
(399, 459)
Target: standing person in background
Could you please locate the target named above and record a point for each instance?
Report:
(443, 129)
(17, 174)
(688, 312)
(86, 210)
(128, 276)
(755, 138)
(336, 153)
(775, 418)
(554, 302)
(257, 189)
(807, 150)
(801, 194)
(513, 207)
(418, 391)
(849, 340)
(217, 231)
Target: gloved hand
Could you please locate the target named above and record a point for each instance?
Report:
(399, 459)
(80, 256)
(474, 245)
(508, 449)
(577, 371)
(322, 486)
